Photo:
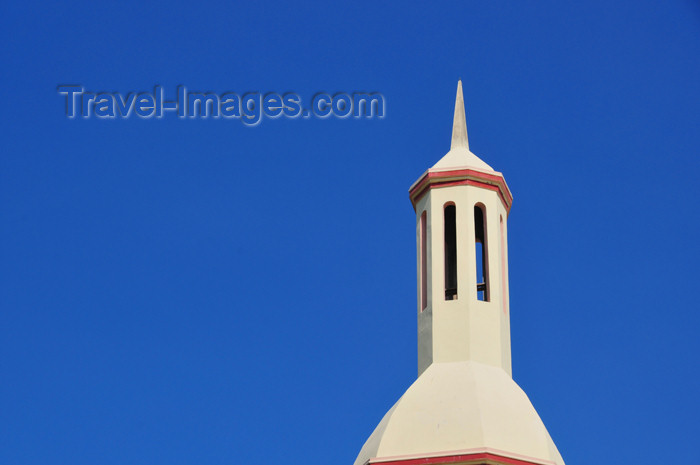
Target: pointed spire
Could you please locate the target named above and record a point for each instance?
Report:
(459, 126)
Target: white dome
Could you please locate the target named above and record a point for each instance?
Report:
(460, 157)
(457, 408)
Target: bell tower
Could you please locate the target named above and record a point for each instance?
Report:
(462, 207)
(465, 407)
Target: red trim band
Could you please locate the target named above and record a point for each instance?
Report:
(494, 182)
(475, 458)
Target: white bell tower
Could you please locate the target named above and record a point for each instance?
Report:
(462, 207)
(464, 408)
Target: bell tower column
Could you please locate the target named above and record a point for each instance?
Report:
(462, 207)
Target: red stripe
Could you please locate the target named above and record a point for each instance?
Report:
(465, 177)
(492, 458)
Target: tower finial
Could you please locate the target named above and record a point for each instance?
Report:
(459, 125)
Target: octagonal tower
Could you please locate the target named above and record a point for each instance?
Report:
(464, 407)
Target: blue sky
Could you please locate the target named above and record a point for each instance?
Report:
(200, 292)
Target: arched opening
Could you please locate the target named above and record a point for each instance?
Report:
(450, 252)
(482, 262)
(503, 291)
(423, 261)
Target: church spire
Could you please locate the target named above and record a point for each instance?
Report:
(464, 407)
(459, 125)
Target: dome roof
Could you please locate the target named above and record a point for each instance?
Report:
(460, 157)
(461, 407)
